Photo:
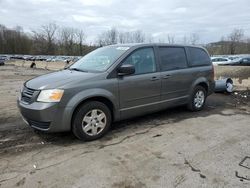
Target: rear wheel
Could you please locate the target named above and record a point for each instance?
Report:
(198, 99)
(91, 121)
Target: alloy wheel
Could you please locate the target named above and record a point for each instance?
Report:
(94, 122)
(199, 99)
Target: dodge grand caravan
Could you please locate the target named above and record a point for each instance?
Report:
(114, 83)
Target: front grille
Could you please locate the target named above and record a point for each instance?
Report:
(38, 124)
(27, 95)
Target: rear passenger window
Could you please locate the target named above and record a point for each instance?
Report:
(199, 57)
(172, 58)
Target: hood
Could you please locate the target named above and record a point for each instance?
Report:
(57, 79)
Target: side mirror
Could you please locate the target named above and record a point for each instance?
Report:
(126, 69)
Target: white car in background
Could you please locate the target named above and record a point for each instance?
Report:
(220, 60)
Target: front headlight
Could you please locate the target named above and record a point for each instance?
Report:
(51, 95)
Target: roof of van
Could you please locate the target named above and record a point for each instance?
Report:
(152, 44)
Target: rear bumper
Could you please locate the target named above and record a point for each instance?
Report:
(48, 117)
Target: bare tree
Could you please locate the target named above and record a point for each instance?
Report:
(149, 39)
(194, 38)
(223, 47)
(46, 40)
(171, 39)
(67, 40)
(161, 40)
(48, 32)
(2, 44)
(112, 35)
(184, 40)
(50, 39)
(80, 39)
(13, 40)
(109, 37)
(39, 43)
(138, 36)
(124, 37)
(235, 38)
(132, 37)
(248, 45)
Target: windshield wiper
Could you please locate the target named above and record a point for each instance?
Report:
(76, 69)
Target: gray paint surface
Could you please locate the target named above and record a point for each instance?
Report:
(130, 95)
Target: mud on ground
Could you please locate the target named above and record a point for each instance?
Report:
(173, 148)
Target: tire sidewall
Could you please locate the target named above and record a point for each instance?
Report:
(81, 112)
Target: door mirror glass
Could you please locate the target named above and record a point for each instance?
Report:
(126, 69)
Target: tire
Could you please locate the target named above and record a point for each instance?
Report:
(91, 121)
(197, 104)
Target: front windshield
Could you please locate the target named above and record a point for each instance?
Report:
(100, 59)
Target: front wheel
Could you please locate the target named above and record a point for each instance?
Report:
(198, 99)
(91, 121)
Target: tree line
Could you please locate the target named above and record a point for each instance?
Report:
(51, 39)
(235, 43)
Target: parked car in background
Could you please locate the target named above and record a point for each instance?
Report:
(40, 58)
(16, 57)
(233, 57)
(27, 57)
(117, 82)
(220, 60)
(2, 60)
(58, 58)
(243, 61)
(75, 59)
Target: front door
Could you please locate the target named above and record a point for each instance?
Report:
(140, 93)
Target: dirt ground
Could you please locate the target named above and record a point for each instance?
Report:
(173, 148)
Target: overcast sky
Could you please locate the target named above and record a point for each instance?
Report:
(210, 19)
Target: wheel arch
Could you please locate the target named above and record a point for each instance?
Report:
(102, 99)
(204, 85)
(199, 82)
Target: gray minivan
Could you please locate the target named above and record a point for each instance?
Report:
(117, 82)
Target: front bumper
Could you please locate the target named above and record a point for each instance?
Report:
(49, 117)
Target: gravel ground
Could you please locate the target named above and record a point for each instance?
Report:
(172, 148)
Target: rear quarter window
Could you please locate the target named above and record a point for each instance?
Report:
(198, 57)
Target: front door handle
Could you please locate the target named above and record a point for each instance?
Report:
(154, 78)
(166, 76)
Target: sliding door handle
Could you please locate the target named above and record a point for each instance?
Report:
(166, 76)
(154, 78)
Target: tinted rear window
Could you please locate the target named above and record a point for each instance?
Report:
(172, 58)
(198, 57)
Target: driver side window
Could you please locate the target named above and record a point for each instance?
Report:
(143, 61)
